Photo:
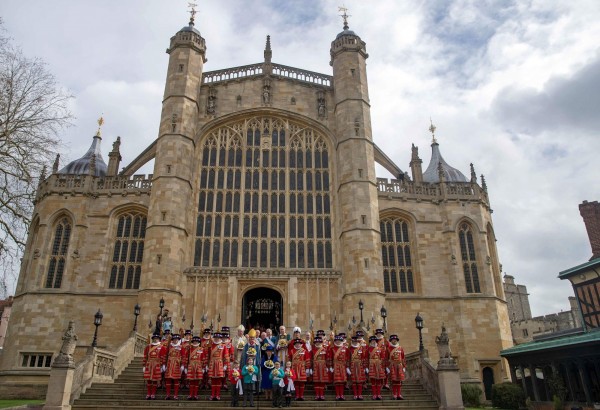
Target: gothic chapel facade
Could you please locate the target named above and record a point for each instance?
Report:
(263, 208)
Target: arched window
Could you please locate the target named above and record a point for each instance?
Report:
(469, 258)
(278, 203)
(58, 255)
(126, 266)
(396, 257)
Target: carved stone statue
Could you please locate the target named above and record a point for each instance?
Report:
(210, 109)
(266, 95)
(443, 344)
(65, 356)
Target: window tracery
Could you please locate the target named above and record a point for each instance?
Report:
(58, 254)
(277, 209)
(398, 271)
(469, 258)
(128, 252)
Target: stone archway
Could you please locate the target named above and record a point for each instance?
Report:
(262, 308)
(488, 382)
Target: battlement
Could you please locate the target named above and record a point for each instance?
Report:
(278, 70)
(464, 191)
(92, 185)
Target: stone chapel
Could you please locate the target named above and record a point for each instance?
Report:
(263, 209)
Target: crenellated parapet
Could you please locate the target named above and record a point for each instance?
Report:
(67, 184)
(409, 190)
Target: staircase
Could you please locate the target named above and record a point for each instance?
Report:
(129, 392)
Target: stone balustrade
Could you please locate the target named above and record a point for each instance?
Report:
(277, 70)
(93, 185)
(465, 191)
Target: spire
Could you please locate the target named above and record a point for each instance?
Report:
(345, 16)
(432, 129)
(483, 184)
(268, 52)
(56, 163)
(473, 174)
(82, 165)
(100, 122)
(42, 175)
(415, 165)
(431, 174)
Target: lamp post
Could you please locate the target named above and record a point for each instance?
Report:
(161, 305)
(136, 312)
(361, 306)
(97, 322)
(419, 325)
(383, 313)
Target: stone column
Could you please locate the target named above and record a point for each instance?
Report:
(534, 386)
(60, 383)
(585, 382)
(449, 382)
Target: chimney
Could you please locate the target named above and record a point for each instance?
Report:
(590, 211)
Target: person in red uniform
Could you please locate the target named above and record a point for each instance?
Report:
(165, 341)
(230, 352)
(320, 367)
(155, 356)
(384, 344)
(299, 356)
(235, 379)
(376, 368)
(185, 343)
(219, 356)
(339, 366)
(206, 344)
(396, 365)
(196, 365)
(358, 364)
(176, 364)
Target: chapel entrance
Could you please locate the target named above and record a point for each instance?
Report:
(262, 308)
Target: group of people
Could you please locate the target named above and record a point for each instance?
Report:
(281, 366)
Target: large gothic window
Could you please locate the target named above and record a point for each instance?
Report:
(265, 197)
(126, 266)
(469, 259)
(58, 255)
(396, 256)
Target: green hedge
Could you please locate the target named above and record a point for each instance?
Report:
(471, 395)
(508, 396)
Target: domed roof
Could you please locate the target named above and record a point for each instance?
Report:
(81, 166)
(346, 33)
(431, 174)
(190, 27)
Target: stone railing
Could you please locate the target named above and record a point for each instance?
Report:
(278, 70)
(92, 185)
(419, 369)
(396, 188)
(103, 366)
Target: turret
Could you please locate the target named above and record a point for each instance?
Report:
(172, 196)
(360, 240)
(114, 159)
(415, 165)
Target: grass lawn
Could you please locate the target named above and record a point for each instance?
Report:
(12, 403)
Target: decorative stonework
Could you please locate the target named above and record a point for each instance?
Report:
(211, 103)
(321, 105)
(65, 356)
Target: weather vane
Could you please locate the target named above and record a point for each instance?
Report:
(192, 6)
(345, 16)
(100, 122)
(432, 130)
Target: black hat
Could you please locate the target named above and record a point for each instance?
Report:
(297, 340)
(379, 331)
(318, 339)
(339, 338)
(196, 339)
(217, 335)
(225, 329)
(394, 337)
(188, 332)
(320, 333)
(176, 336)
(355, 338)
(207, 331)
(167, 331)
(372, 339)
(360, 333)
(156, 336)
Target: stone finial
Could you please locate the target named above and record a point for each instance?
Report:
(473, 174)
(414, 153)
(443, 344)
(116, 145)
(42, 175)
(65, 356)
(56, 164)
(483, 184)
(268, 52)
(440, 170)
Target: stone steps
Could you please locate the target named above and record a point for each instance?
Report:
(129, 392)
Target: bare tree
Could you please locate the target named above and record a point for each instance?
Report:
(33, 111)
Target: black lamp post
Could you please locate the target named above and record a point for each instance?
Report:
(361, 306)
(97, 322)
(161, 305)
(419, 325)
(136, 312)
(383, 313)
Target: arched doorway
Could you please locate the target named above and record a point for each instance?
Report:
(488, 382)
(262, 308)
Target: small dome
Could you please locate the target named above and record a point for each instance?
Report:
(191, 28)
(346, 33)
(81, 166)
(450, 174)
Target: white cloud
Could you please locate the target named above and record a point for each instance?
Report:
(495, 77)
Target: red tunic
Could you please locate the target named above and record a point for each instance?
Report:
(299, 357)
(175, 359)
(196, 363)
(384, 344)
(340, 355)
(359, 361)
(154, 357)
(396, 363)
(219, 355)
(376, 363)
(230, 354)
(320, 364)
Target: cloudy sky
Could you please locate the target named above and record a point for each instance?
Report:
(512, 86)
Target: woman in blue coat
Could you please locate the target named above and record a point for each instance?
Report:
(267, 365)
